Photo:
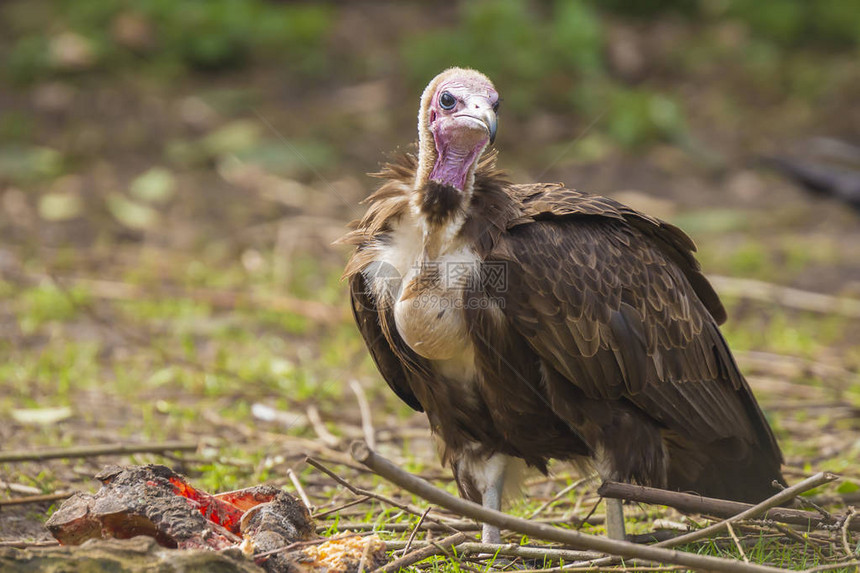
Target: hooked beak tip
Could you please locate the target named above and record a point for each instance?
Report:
(489, 119)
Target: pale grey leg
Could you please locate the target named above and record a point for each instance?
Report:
(489, 474)
(491, 498)
(615, 519)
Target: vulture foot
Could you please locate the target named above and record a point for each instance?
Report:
(615, 520)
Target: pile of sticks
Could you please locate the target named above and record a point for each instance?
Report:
(576, 551)
(593, 553)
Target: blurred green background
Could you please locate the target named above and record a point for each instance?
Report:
(172, 175)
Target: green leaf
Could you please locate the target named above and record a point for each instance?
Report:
(234, 137)
(131, 214)
(25, 164)
(157, 185)
(41, 416)
(847, 487)
(60, 206)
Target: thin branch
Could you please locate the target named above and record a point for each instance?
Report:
(461, 525)
(809, 504)
(299, 489)
(229, 300)
(785, 296)
(35, 498)
(99, 450)
(446, 551)
(560, 494)
(328, 512)
(849, 516)
(317, 424)
(614, 569)
(415, 530)
(737, 541)
(419, 487)
(19, 488)
(29, 544)
(423, 553)
(832, 566)
(509, 549)
(690, 503)
(298, 544)
(783, 496)
(364, 408)
(374, 495)
(363, 560)
(789, 532)
(787, 366)
(449, 525)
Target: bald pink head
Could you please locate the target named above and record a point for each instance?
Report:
(459, 115)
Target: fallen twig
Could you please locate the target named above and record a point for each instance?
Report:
(690, 503)
(783, 496)
(810, 504)
(419, 487)
(462, 525)
(449, 525)
(339, 508)
(832, 566)
(298, 544)
(788, 367)
(117, 290)
(560, 494)
(785, 296)
(317, 424)
(737, 542)
(849, 516)
(807, 540)
(415, 530)
(99, 450)
(380, 497)
(35, 498)
(363, 560)
(19, 488)
(423, 553)
(29, 544)
(364, 409)
(299, 446)
(614, 569)
(299, 489)
(508, 549)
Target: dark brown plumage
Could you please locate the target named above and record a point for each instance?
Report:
(599, 342)
(620, 338)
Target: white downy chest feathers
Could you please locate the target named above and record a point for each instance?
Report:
(427, 296)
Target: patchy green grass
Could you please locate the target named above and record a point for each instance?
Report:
(166, 269)
(167, 366)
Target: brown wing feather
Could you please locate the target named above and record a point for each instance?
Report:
(615, 303)
(552, 200)
(372, 323)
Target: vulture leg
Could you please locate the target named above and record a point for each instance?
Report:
(491, 498)
(482, 479)
(491, 533)
(615, 519)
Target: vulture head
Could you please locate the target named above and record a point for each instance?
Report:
(456, 122)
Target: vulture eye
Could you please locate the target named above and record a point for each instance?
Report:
(447, 101)
(496, 107)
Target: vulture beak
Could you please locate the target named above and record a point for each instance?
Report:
(481, 110)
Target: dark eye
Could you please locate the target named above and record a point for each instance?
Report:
(496, 107)
(447, 101)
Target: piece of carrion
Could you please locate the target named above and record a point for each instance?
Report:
(269, 525)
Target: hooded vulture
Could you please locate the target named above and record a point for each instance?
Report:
(533, 321)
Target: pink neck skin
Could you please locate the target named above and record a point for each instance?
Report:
(453, 161)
